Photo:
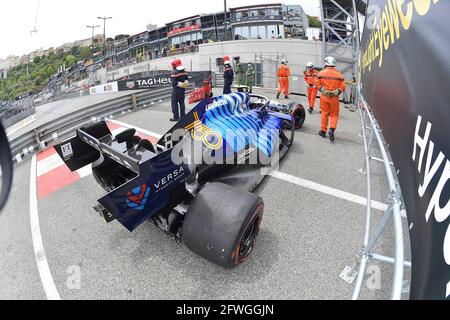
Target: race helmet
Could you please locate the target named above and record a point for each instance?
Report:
(330, 62)
(310, 65)
(176, 63)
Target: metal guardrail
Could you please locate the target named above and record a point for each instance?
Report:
(62, 128)
(371, 134)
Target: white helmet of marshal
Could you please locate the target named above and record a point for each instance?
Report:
(284, 61)
(310, 65)
(330, 62)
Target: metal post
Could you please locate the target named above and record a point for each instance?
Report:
(356, 42)
(93, 27)
(104, 28)
(324, 44)
(225, 20)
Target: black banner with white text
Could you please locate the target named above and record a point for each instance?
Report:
(405, 78)
(161, 80)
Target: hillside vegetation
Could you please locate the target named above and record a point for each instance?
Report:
(39, 71)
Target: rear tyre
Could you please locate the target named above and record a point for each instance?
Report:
(222, 224)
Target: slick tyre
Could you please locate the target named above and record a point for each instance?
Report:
(222, 224)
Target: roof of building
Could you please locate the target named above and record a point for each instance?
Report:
(257, 6)
(184, 19)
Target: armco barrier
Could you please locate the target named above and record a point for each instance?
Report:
(62, 128)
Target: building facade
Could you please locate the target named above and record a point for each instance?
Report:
(264, 21)
(269, 21)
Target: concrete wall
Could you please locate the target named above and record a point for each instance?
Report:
(190, 61)
(269, 52)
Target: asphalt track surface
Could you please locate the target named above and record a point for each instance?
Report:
(307, 236)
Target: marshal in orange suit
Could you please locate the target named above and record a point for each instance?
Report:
(331, 84)
(284, 72)
(310, 82)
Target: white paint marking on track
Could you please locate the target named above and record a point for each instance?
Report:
(48, 164)
(41, 260)
(84, 172)
(330, 191)
(146, 132)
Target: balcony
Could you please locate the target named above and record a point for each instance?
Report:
(256, 18)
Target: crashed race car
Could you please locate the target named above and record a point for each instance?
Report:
(195, 184)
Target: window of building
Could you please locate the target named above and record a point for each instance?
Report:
(245, 32)
(241, 33)
(237, 33)
(280, 31)
(273, 12)
(254, 32)
(209, 35)
(272, 31)
(253, 13)
(220, 19)
(262, 32)
(207, 22)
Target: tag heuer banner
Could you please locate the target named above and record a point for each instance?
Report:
(161, 80)
(405, 74)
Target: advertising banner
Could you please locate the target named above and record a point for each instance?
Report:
(161, 80)
(104, 88)
(405, 75)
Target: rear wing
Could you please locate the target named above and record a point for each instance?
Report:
(157, 187)
(86, 146)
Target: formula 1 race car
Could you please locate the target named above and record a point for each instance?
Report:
(195, 184)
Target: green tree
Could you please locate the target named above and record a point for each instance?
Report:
(85, 52)
(70, 60)
(75, 50)
(314, 22)
(49, 71)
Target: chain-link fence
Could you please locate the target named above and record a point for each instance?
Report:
(15, 111)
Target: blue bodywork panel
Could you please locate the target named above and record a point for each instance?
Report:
(160, 180)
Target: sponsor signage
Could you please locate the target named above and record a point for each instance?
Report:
(161, 80)
(405, 75)
(104, 88)
(184, 29)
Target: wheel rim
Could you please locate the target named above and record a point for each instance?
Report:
(248, 240)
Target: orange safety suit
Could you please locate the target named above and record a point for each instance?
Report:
(311, 79)
(330, 79)
(284, 72)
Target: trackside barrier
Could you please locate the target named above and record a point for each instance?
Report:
(371, 134)
(62, 128)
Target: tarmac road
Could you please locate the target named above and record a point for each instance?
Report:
(307, 236)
